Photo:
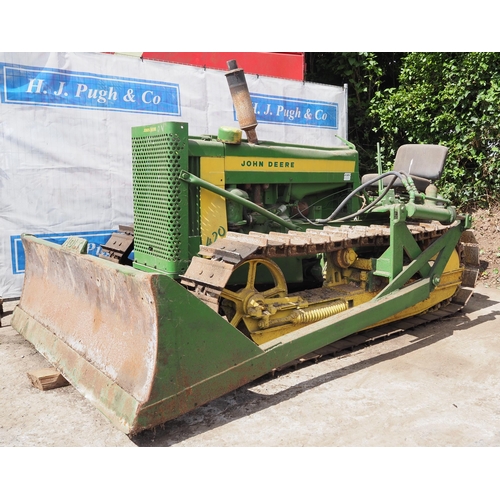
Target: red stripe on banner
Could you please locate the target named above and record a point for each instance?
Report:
(289, 65)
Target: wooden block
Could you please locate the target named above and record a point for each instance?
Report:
(46, 379)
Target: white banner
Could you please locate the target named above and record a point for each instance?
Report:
(65, 136)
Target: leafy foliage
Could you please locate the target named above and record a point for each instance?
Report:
(366, 74)
(451, 99)
(440, 98)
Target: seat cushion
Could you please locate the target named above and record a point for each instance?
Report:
(423, 162)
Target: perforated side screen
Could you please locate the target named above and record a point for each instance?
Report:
(159, 153)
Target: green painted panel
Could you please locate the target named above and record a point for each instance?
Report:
(161, 215)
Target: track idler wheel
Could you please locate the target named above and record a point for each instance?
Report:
(240, 303)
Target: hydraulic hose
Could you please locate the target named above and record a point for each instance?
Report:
(401, 175)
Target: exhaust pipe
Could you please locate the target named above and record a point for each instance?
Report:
(241, 100)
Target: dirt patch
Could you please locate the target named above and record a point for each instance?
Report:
(486, 226)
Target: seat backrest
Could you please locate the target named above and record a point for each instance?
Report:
(421, 160)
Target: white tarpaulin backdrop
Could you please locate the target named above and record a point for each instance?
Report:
(65, 136)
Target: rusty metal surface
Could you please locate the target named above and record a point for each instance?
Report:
(237, 247)
(242, 101)
(206, 279)
(469, 254)
(213, 272)
(104, 312)
(118, 246)
(129, 341)
(126, 228)
(116, 404)
(327, 239)
(232, 250)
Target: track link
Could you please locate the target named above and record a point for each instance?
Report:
(207, 276)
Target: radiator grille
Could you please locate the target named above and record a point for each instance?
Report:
(159, 204)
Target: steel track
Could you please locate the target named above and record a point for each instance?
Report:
(206, 277)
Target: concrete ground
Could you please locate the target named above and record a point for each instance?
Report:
(434, 386)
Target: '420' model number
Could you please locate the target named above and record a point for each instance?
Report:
(221, 232)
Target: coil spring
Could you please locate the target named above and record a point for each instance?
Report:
(309, 316)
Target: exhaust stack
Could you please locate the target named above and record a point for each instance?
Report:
(241, 100)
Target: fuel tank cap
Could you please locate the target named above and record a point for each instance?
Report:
(229, 135)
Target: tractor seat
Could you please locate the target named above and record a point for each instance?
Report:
(423, 162)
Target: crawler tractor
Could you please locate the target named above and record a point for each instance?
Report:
(247, 256)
